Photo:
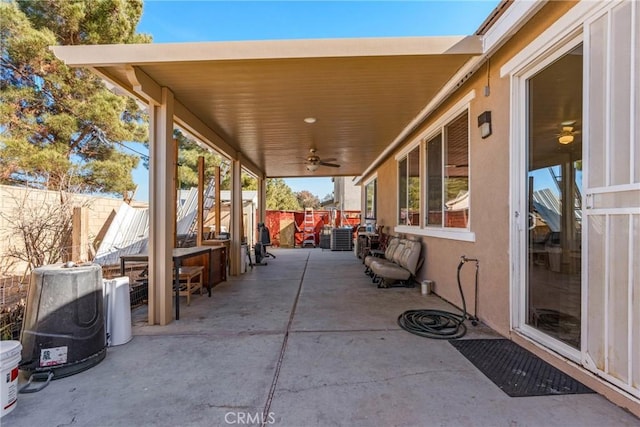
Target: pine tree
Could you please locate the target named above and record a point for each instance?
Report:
(62, 128)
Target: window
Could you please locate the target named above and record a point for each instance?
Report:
(434, 181)
(409, 189)
(370, 191)
(448, 175)
(433, 178)
(456, 173)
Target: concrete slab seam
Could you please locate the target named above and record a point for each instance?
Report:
(283, 349)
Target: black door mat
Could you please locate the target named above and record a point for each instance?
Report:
(517, 372)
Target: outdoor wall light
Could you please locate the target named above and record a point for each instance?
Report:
(484, 123)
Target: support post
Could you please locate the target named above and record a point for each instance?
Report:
(176, 187)
(162, 203)
(218, 201)
(200, 211)
(262, 199)
(80, 234)
(236, 215)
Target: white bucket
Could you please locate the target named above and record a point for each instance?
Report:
(427, 287)
(9, 360)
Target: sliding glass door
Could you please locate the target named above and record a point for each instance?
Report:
(554, 186)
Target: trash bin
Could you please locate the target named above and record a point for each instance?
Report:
(63, 328)
(118, 311)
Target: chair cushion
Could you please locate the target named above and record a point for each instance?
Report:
(402, 262)
(369, 259)
(410, 256)
(388, 253)
(391, 247)
(397, 254)
(390, 271)
(380, 262)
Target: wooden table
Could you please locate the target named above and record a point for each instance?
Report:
(178, 255)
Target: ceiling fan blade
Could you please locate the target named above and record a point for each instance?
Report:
(331, 165)
(332, 159)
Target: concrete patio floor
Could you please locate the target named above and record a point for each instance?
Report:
(308, 341)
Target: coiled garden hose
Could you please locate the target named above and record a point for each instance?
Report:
(440, 324)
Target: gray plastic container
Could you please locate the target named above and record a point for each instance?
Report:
(63, 330)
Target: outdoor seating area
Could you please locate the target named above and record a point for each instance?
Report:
(310, 344)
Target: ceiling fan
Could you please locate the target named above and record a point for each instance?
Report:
(313, 161)
(567, 133)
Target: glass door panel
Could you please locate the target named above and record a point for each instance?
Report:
(554, 280)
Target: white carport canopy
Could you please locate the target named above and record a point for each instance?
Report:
(248, 101)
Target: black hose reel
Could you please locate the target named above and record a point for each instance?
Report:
(440, 324)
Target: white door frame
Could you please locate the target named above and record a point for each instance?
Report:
(547, 47)
(519, 194)
(567, 31)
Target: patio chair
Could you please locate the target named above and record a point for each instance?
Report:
(187, 283)
(391, 245)
(265, 239)
(260, 248)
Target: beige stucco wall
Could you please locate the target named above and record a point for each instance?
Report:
(100, 209)
(489, 189)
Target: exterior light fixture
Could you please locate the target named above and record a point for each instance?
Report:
(310, 120)
(312, 167)
(484, 124)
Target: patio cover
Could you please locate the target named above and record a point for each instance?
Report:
(248, 101)
(249, 98)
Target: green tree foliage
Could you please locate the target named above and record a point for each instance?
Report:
(60, 127)
(306, 199)
(280, 196)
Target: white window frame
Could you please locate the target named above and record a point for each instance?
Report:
(372, 179)
(461, 234)
(399, 158)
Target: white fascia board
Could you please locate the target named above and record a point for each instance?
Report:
(567, 27)
(516, 15)
(157, 53)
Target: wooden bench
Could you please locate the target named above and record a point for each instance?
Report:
(187, 283)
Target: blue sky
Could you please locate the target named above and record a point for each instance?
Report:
(193, 21)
